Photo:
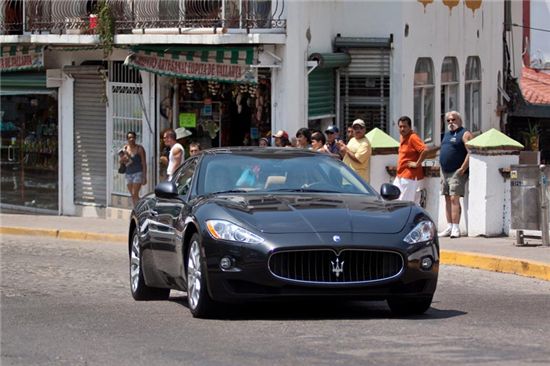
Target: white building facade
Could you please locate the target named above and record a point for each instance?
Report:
(376, 60)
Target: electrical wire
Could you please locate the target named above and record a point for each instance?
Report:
(532, 28)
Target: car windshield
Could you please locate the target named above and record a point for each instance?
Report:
(273, 173)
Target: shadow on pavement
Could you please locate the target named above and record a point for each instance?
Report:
(313, 309)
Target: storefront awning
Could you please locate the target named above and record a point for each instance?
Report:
(21, 57)
(322, 84)
(363, 42)
(222, 64)
(330, 60)
(21, 83)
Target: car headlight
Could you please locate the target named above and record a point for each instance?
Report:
(424, 231)
(225, 230)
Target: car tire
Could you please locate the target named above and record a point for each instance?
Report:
(140, 291)
(409, 305)
(199, 301)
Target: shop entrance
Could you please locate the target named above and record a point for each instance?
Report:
(29, 151)
(225, 114)
(206, 121)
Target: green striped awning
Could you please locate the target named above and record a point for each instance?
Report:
(19, 83)
(322, 84)
(224, 64)
(21, 57)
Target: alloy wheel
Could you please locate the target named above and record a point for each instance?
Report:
(194, 275)
(135, 263)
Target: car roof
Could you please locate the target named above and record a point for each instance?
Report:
(260, 151)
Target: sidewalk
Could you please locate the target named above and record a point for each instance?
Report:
(493, 254)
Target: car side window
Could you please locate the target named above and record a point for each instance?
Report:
(184, 179)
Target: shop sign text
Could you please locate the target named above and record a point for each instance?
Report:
(202, 70)
(20, 61)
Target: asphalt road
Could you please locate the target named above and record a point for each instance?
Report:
(68, 303)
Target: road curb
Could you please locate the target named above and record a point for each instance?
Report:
(493, 263)
(63, 234)
(496, 263)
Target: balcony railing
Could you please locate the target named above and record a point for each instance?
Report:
(73, 16)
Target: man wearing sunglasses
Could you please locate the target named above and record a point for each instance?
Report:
(453, 159)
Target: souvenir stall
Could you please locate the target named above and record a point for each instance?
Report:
(219, 94)
(224, 114)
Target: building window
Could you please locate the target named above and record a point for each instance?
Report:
(449, 88)
(424, 99)
(472, 97)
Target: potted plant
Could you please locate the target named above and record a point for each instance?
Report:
(531, 137)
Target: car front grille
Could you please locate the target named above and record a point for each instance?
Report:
(326, 266)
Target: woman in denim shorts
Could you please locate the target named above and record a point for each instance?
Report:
(136, 166)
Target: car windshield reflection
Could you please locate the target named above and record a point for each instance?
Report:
(234, 173)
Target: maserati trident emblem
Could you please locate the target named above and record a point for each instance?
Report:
(338, 267)
(336, 238)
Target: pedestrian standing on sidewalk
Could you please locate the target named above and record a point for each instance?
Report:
(303, 138)
(349, 133)
(177, 154)
(454, 159)
(412, 152)
(133, 157)
(332, 133)
(281, 139)
(356, 154)
(194, 148)
(318, 142)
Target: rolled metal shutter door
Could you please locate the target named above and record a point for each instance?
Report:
(90, 146)
(365, 87)
(369, 62)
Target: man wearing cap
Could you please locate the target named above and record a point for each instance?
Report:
(281, 138)
(177, 154)
(358, 150)
(332, 133)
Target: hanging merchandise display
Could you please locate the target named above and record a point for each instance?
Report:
(221, 113)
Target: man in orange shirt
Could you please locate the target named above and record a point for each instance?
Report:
(412, 152)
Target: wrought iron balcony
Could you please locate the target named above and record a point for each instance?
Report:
(79, 16)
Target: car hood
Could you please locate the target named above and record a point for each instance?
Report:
(316, 213)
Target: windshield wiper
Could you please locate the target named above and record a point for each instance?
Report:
(303, 190)
(230, 191)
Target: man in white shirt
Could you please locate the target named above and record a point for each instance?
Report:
(177, 154)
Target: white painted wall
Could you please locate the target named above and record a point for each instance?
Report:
(378, 173)
(432, 186)
(486, 214)
(434, 31)
(514, 38)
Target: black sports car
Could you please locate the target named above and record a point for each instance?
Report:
(263, 223)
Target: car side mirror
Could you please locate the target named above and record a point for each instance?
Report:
(166, 190)
(389, 191)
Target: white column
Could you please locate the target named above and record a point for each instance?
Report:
(487, 202)
(66, 145)
(378, 173)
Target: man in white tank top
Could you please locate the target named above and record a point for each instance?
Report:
(177, 154)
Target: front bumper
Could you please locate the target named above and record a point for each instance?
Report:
(251, 279)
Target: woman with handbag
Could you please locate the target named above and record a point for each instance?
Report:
(132, 157)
